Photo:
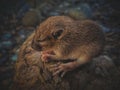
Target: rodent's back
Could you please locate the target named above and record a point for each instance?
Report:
(93, 37)
(86, 37)
(67, 37)
(90, 31)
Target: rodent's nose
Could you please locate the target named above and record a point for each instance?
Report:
(36, 46)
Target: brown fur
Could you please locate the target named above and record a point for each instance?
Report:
(80, 40)
(78, 37)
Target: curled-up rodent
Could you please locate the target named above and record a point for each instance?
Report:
(61, 38)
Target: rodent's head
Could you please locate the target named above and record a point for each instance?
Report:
(51, 32)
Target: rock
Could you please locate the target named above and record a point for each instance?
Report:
(105, 29)
(14, 57)
(6, 36)
(64, 4)
(7, 44)
(86, 9)
(31, 18)
(103, 65)
(99, 74)
(54, 13)
(76, 14)
(82, 11)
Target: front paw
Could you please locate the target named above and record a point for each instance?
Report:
(45, 57)
(61, 68)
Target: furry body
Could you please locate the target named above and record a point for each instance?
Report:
(62, 38)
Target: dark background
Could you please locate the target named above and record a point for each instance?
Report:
(19, 18)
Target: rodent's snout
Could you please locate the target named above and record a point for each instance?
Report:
(36, 46)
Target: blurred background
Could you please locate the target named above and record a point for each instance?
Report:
(19, 18)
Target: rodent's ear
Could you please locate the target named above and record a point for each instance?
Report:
(57, 34)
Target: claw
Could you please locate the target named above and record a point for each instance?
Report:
(55, 65)
(63, 73)
(57, 72)
(54, 69)
(63, 68)
(57, 69)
